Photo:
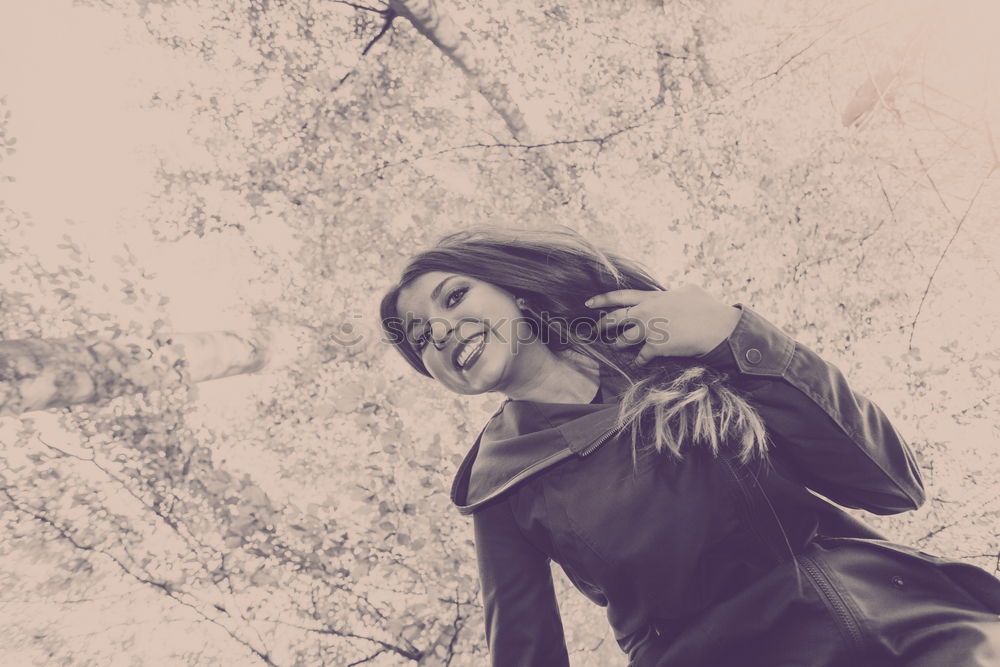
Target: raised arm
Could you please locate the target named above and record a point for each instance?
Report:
(838, 442)
(523, 626)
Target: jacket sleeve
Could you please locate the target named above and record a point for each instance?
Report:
(839, 443)
(523, 626)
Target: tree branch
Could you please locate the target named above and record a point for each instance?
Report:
(367, 658)
(958, 228)
(160, 586)
(599, 141)
(390, 16)
(361, 7)
(410, 654)
(173, 525)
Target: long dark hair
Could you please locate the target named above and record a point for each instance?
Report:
(555, 271)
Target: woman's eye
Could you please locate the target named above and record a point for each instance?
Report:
(463, 290)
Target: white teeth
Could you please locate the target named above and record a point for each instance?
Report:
(467, 351)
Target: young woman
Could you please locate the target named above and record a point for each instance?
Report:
(671, 469)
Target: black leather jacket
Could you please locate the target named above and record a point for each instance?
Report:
(704, 561)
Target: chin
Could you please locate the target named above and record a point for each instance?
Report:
(480, 380)
(472, 385)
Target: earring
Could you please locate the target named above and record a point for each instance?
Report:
(520, 302)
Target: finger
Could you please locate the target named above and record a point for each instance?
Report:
(631, 336)
(621, 297)
(645, 355)
(617, 317)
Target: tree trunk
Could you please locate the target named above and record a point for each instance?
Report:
(38, 374)
(449, 38)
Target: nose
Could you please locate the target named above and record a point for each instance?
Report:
(440, 332)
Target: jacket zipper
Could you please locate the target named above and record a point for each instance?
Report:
(834, 599)
(603, 439)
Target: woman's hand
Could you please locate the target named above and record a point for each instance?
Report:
(684, 322)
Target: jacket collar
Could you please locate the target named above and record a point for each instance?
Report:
(525, 437)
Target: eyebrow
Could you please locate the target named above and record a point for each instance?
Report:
(434, 296)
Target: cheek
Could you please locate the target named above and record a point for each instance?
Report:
(440, 368)
(433, 365)
(514, 333)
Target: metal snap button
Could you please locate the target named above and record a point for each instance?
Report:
(754, 356)
(898, 582)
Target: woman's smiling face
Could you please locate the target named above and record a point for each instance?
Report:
(470, 334)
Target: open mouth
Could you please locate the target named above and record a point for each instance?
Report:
(468, 352)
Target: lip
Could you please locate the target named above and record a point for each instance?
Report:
(461, 346)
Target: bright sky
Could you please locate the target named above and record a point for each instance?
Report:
(76, 81)
(76, 131)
